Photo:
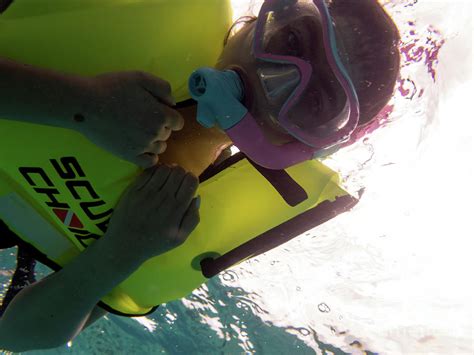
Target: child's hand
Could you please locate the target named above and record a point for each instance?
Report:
(131, 116)
(156, 214)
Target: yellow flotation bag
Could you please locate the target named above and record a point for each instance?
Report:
(59, 195)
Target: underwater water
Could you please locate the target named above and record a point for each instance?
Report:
(391, 276)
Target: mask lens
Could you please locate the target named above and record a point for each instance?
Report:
(280, 36)
(279, 81)
(289, 36)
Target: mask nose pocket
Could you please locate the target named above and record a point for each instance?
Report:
(279, 82)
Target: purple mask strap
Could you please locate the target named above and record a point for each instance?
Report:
(262, 152)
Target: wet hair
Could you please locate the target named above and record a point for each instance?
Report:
(368, 41)
(236, 25)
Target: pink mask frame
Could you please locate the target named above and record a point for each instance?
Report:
(247, 134)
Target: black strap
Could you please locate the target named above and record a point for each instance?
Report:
(186, 103)
(278, 235)
(289, 189)
(24, 275)
(5, 4)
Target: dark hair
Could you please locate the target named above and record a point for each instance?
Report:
(241, 20)
(369, 44)
(370, 39)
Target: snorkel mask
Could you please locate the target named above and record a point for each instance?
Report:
(289, 84)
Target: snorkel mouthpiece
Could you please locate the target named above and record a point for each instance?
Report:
(219, 95)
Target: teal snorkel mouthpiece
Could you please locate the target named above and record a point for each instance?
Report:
(219, 95)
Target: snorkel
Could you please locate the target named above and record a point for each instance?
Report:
(220, 93)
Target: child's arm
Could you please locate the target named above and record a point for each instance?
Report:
(41, 96)
(155, 215)
(126, 113)
(53, 311)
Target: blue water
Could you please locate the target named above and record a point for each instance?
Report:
(389, 277)
(182, 330)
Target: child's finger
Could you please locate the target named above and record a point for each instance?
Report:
(156, 148)
(173, 119)
(174, 181)
(160, 177)
(144, 177)
(146, 160)
(158, 88)
(163, 133)
(187, 189)
(190, 220)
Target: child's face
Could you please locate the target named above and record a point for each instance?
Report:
(301, 38)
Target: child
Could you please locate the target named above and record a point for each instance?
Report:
(367, 40)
